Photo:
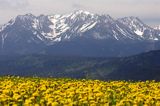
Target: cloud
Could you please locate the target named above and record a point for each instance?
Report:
(77, 6)
(144, 9)
(13, 4)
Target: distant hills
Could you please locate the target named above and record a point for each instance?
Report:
(80, 33)
(145, 66)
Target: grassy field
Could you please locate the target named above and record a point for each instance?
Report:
(21, 91)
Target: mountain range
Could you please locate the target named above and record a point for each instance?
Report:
(80, 33)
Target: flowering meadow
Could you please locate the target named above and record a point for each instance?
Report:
(20, 91)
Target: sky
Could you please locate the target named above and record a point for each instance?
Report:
(147, 10)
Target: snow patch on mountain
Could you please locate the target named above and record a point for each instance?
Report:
(98, 36)
(121, 30)
(157, 27)
(138, 32)
(87, 26)
(58, 25)
(156, 39)
(57, 39)
(35, 23)
(115, 34)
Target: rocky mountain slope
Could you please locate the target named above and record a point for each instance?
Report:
(78, 33)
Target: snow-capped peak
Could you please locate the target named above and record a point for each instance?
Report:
(26, 16)
(131, 21)
(157, 27)
(11, 22)
(134, 24)
(82, 12)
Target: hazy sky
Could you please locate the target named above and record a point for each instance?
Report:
(147, 10)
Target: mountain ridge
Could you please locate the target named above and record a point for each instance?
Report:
(43, 31)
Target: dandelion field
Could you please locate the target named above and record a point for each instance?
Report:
(21, 91)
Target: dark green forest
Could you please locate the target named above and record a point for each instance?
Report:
(145, 66)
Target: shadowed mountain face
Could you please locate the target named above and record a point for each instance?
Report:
(80, 33)
(145, 66)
